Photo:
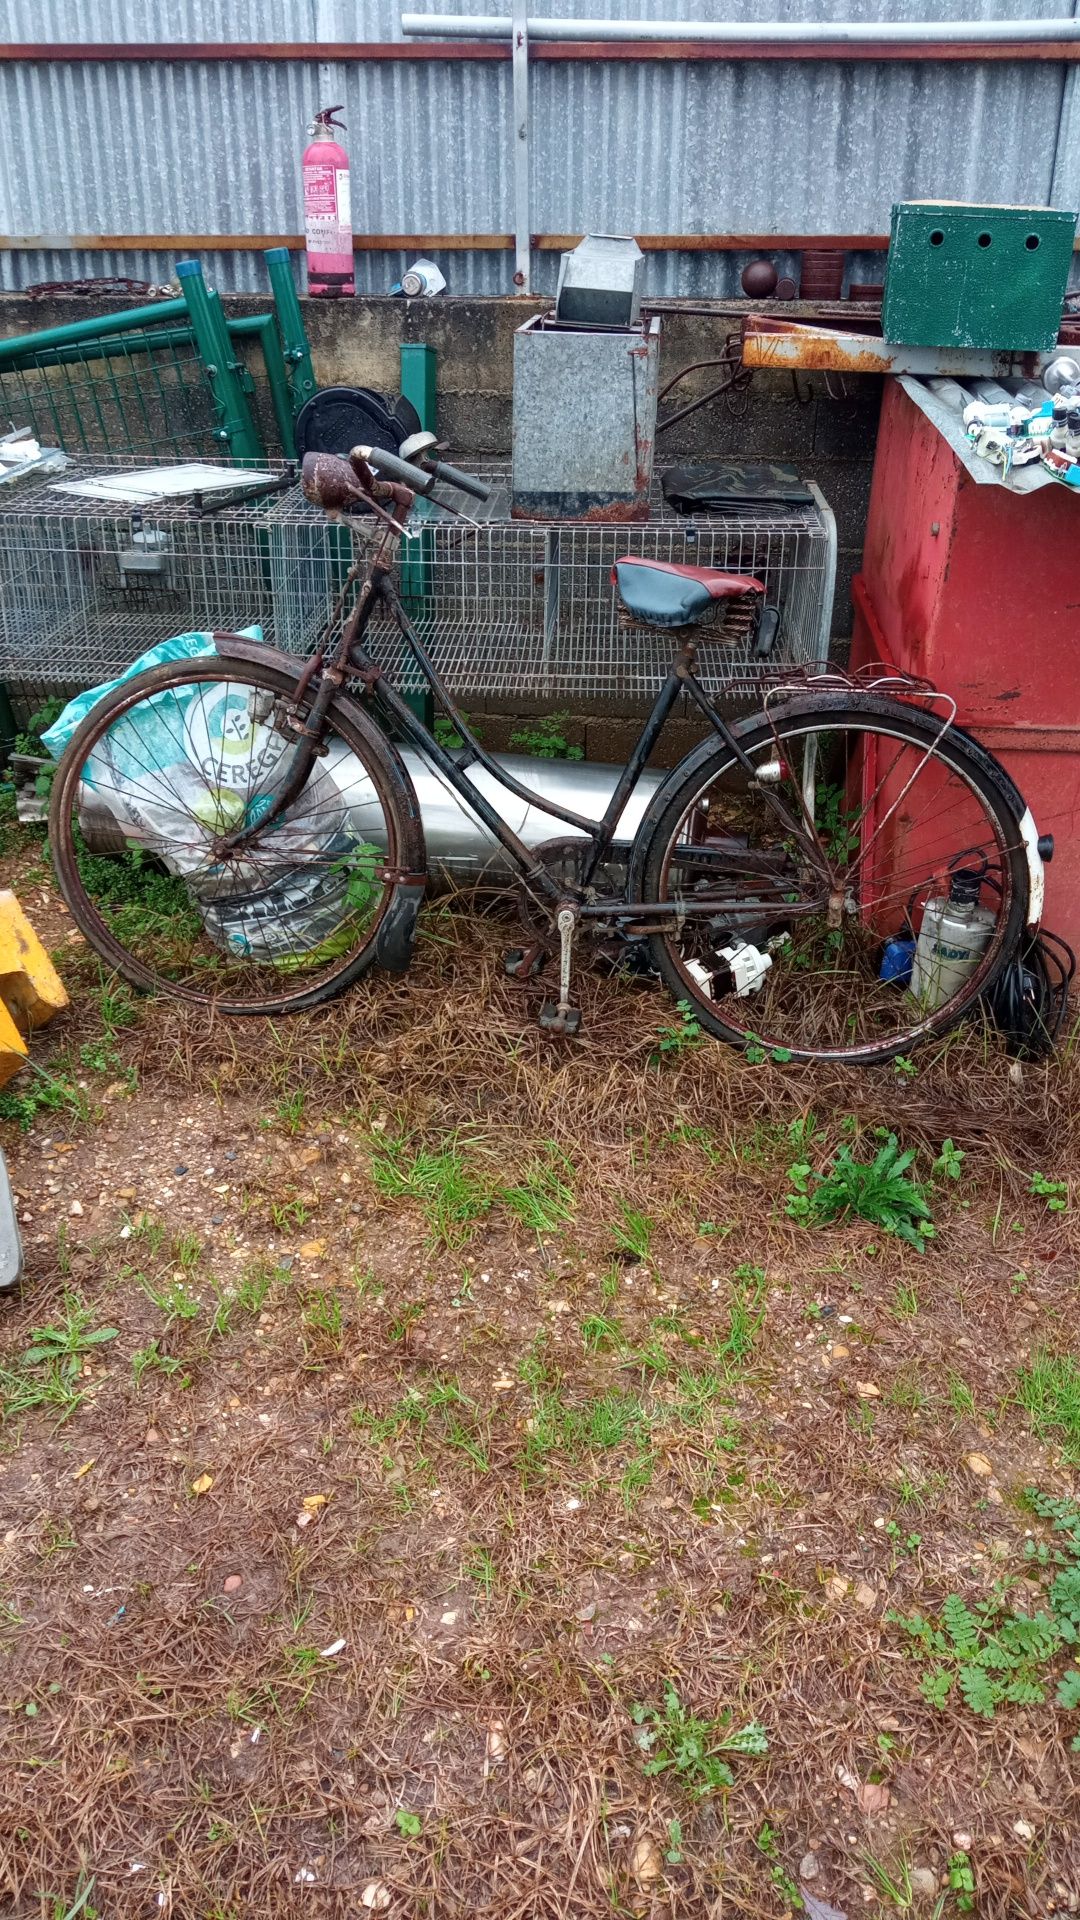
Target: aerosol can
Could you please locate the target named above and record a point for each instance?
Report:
(327, 215)
(954, 935)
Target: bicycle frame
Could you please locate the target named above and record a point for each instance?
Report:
(350, 660)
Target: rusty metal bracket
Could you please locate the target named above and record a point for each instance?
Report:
(783, 346)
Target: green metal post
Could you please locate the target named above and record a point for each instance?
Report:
(418, 368)
(8, 725)
(290, 322)
(261, 326)
(237, 429)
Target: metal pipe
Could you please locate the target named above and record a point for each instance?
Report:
(522, 222)
(460, 851)
(77, 330)
(479, 26)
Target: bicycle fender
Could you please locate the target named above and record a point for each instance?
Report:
(397, 931)
(239, 646)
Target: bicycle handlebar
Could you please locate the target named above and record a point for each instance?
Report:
(423, 479)
(465, 482)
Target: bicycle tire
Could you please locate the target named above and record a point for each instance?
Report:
(387, 929)
(958, 752)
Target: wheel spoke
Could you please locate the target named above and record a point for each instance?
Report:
(909, 833)
(141, 832)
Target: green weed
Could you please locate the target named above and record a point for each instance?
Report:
(480, 1567)
(69, 1340)
(949, 1163)
(679, 1036)
(321, 1319)
(961, 1398)
(746, 1315)
(544, 738)
(145, 1231)
(1054, 1192)
(993, 1656)
(786, 1887)
(48, 1372)
(172, 1298)
(677, 1741)
(290, 1109)
(962, 1882)
(151, 1359)
(42, 1093)
(600, 1335)
(285, 1214)
(878, 1191)
(187, 1251)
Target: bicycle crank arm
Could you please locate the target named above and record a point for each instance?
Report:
(563, 1018)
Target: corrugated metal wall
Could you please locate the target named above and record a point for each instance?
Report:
(650, 147)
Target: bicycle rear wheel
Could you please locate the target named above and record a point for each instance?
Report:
(166, 766)
(814, 955)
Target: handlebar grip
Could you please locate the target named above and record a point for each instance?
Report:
(465, 482)
(394, 468)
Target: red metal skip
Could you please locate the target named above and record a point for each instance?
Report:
(978, 589)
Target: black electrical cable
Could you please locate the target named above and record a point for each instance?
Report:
(1030, 997)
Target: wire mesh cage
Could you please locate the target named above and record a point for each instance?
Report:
(505, 607)
(527, 607)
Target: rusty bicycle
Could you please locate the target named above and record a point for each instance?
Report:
(838, 875)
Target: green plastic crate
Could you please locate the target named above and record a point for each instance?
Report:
(962, 276)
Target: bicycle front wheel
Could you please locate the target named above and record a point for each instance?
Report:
(161, 772)
(852, 895)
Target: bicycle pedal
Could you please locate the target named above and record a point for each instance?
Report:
(564, 1021)
(524, 963)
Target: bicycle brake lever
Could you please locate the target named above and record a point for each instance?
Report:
(380, 512)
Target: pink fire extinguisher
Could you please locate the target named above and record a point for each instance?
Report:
(327, 217)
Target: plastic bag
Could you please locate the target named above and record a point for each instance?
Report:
(202, 759)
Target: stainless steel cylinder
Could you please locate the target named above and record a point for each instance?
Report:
(460, 851)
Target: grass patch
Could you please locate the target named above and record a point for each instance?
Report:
(1049, 1392)
(745, 1317)
(543, 1199)
(451, 1196)
(632, 1235)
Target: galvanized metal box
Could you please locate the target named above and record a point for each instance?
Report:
(600, 282)
(584, 420)
(965, 276)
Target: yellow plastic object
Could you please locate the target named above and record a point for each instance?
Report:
(30, 987)
(13, 1048)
